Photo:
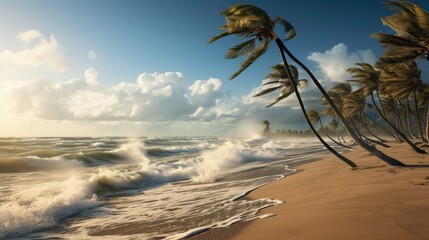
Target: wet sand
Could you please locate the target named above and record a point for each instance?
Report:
(328, 200)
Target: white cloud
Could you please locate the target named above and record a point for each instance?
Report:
(91, 76)
(205, 92)
(44, 52)
(27, 37)
(92, 54)
(334, 63)
(159, 103)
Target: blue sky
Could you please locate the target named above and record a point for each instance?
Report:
(135, 37)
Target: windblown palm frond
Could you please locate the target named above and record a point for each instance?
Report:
(354, 103)
(313, 115)
(411, 24)
(247, 21)
(366, 76)
(280, 79)
(400, 82)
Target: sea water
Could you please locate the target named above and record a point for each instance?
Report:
(137, 188)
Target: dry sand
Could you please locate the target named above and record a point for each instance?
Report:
(328, 200)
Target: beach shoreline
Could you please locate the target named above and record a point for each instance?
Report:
(328, 200)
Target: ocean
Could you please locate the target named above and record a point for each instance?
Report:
(138, 188)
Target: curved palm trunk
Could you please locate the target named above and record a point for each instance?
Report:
(386, 117)
(389, 160)
(402, 135)
(324, 131)
(365, 137)
(383, 116)
(408, 119)
(427, 124)
(301, 104)
(418, 118)
(370, 132)
(376, 123)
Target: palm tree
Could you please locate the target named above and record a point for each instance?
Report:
(281, 81)
(411, 42)
(334, 125)
(401, 82)
(354, 104)
(247, 21)
(266, 132)
(315, 117)
(369, 78)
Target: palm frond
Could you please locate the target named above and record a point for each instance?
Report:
(217, 37)
(241, 49)
(289, 29)
(258, 51)
(285, 92)
(267, 90)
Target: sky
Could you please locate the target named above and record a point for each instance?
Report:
(145, 68)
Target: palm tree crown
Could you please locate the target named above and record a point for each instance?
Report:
(279, 80)
(411, 42)
(247, 21)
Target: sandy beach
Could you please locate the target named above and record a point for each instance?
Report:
(328, 200)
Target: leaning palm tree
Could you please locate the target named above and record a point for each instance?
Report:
(354, 104)
(369, 78)
(401, 82)
(334, 125)
(411, 42)
(279, 79)
(247, 21)
(315, 118)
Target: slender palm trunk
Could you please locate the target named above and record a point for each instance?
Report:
(427, 124)
(382, 115)
(365, 137)
(386, 118)
(369, 131)
(377, 124)
(418, 118)
(401, 134)
(389, 160)
(324, 131)
(398, 119)
(301, 104)
(408, 118)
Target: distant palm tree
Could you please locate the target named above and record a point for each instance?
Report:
(247, 21)
(315, 117)
(266, 132)
(411, 42)
(369, 78)
(334, 125)
(354, 104)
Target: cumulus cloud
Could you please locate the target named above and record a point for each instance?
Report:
(333, 63)
(92, 54)
(37, 51)
(152, 97)
(91, 76)
(205, 92)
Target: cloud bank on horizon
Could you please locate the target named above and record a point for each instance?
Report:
(154, 103)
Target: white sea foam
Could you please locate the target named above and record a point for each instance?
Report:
(44, 205)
